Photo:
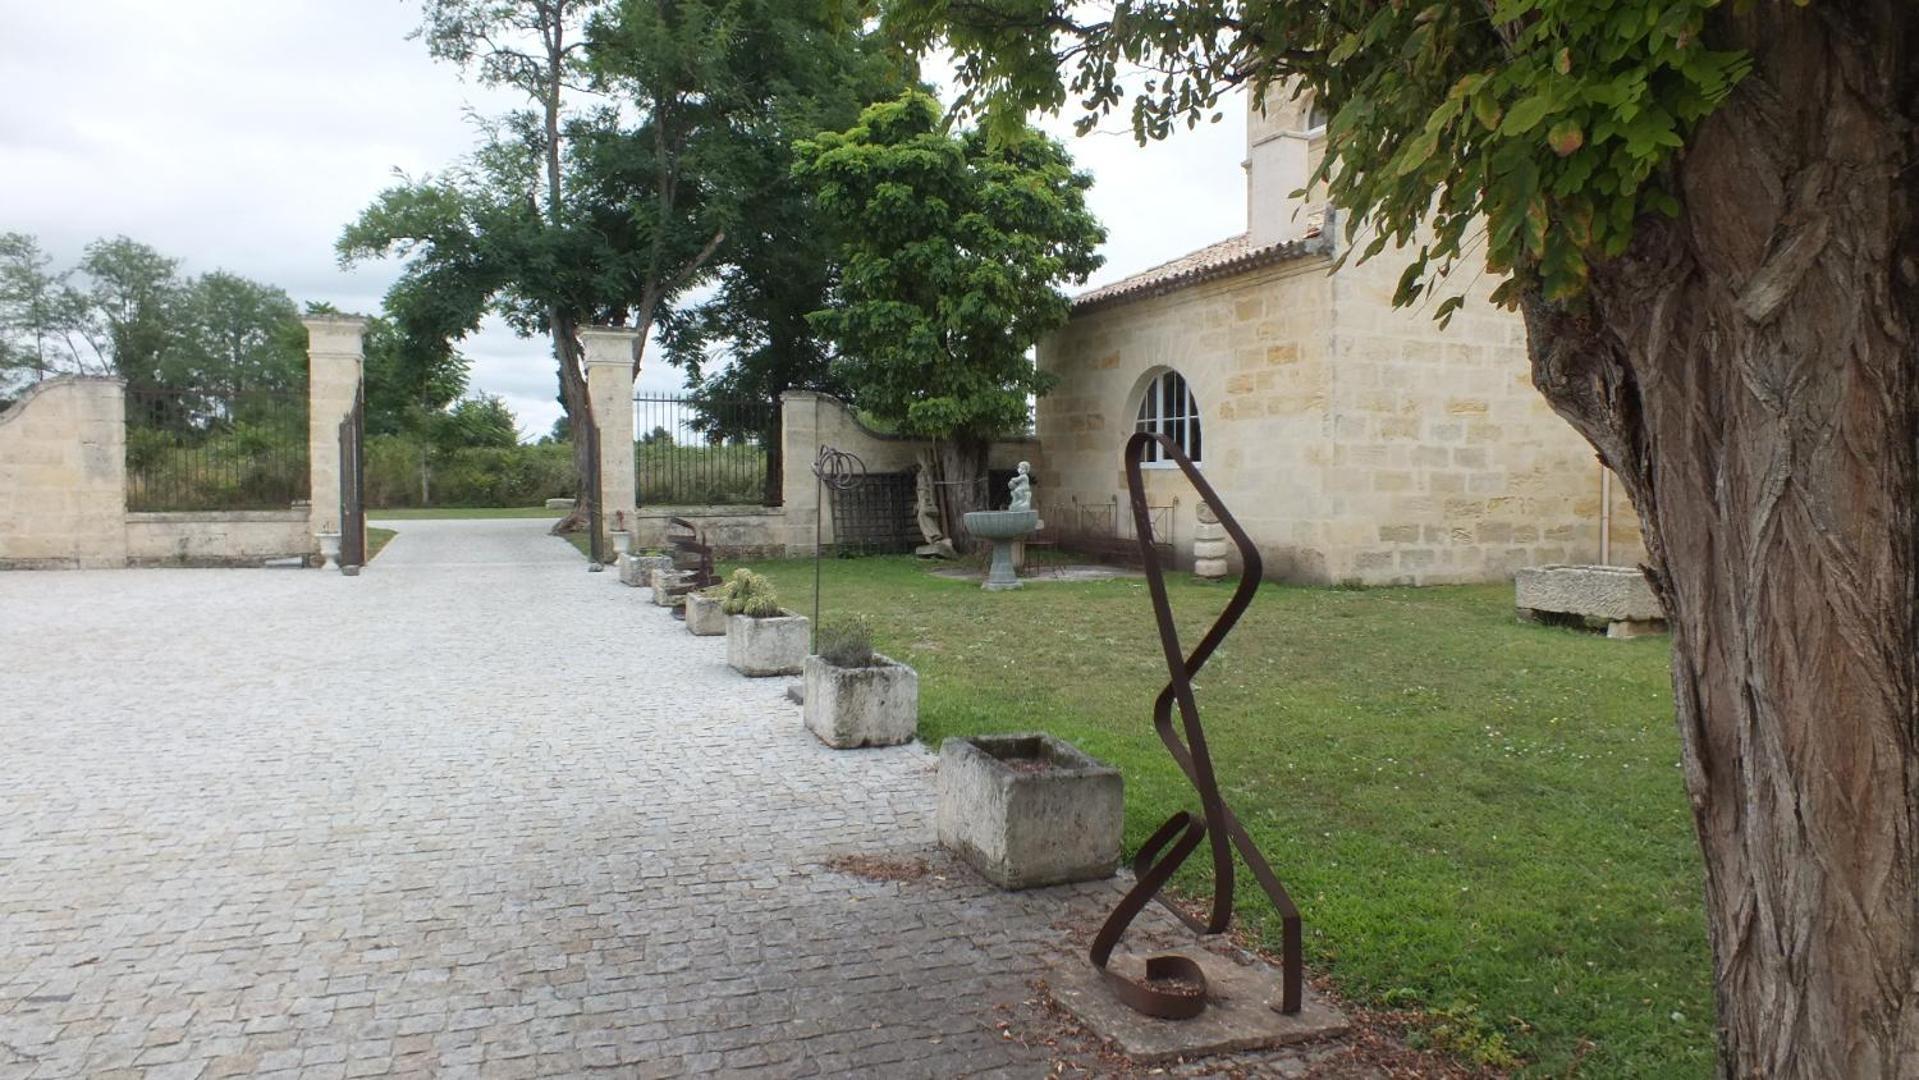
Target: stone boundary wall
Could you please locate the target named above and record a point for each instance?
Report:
(809, 420)
(224, 538)
(63, 491)
(63, 501)
(736, 532)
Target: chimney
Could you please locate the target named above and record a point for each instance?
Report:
(1283, 146)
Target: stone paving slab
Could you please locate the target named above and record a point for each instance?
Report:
(476, 812)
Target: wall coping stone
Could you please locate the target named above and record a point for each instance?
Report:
(44, 385)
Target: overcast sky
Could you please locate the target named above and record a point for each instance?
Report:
(242, 137)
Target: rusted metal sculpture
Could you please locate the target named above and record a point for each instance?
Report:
(1174, 987)
(839, 470)
(691, 552)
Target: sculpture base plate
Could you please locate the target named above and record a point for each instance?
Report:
(1239, 1015)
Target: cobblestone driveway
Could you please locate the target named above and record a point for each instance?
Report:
(475, 812)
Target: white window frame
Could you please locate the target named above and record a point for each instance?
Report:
(1167, 407)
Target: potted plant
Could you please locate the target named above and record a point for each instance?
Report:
(855, 696)
(705, 615)
(1029, 810)
(762, 638)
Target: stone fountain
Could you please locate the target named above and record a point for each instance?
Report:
(1005, 528)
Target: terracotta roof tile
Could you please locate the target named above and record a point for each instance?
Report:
(1232, 255)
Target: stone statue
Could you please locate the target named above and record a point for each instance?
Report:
(1021, 485)
(926, 510)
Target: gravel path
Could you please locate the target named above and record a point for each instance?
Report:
(474, 812)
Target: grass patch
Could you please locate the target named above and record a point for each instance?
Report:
(1480, 818)
(377, 540)
(434, 513)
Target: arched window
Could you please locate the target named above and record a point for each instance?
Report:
(1167, 408)
(1317, 116)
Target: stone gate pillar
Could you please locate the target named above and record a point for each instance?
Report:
(609, 386)
(335, 366)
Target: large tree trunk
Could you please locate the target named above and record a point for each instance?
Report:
(580, 420)
(1749, 371)
(962, 480)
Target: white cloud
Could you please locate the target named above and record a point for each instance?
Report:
(243, 137)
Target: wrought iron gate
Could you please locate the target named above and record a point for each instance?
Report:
(353, 482)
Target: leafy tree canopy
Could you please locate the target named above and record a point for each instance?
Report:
(954, 247)
(1549, 120)
(126, 309)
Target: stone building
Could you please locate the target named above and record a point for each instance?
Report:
(1355, 442)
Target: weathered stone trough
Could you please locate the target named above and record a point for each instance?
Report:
(1029, 810)
(637, 570)
(874, 705)
(1615, 598)
(705, 616)
(773, 646)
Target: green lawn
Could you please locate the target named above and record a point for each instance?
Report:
(376, 540)
(1477, 816)
(433, 512)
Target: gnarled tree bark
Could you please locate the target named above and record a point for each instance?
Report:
(1749, 370)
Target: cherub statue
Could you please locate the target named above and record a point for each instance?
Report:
(1021, 485)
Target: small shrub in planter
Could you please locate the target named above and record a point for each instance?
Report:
(762, 638)
(855, 696)
(704, 614)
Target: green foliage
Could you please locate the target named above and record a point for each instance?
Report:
(404, 471)
(125, 309)
(1549, 121)
(953, 251)
(1461, 1030)
(257, 463)
(781, 254)
(747, 593)
(699, 475)
(481, 421)
(847, 641)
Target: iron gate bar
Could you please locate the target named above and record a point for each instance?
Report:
(595, 549)
(1196, 761)
(353, 484)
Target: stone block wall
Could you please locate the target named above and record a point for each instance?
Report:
(809, 420)
(63, 494)
(1355, 442)
(226, 538)
(63, 475)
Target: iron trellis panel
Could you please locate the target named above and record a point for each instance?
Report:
(876, 517)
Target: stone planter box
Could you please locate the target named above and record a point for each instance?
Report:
(1615, 598)
(762, 647)
(637, 570)
(877, 705)
(704, 616)
(1029, 810)
(671, 586)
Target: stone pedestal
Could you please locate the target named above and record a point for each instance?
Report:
(1029, 810)
(1614, 598)
(1209, 546)
(877, 705)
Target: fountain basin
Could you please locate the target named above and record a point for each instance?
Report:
(1002, 527)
